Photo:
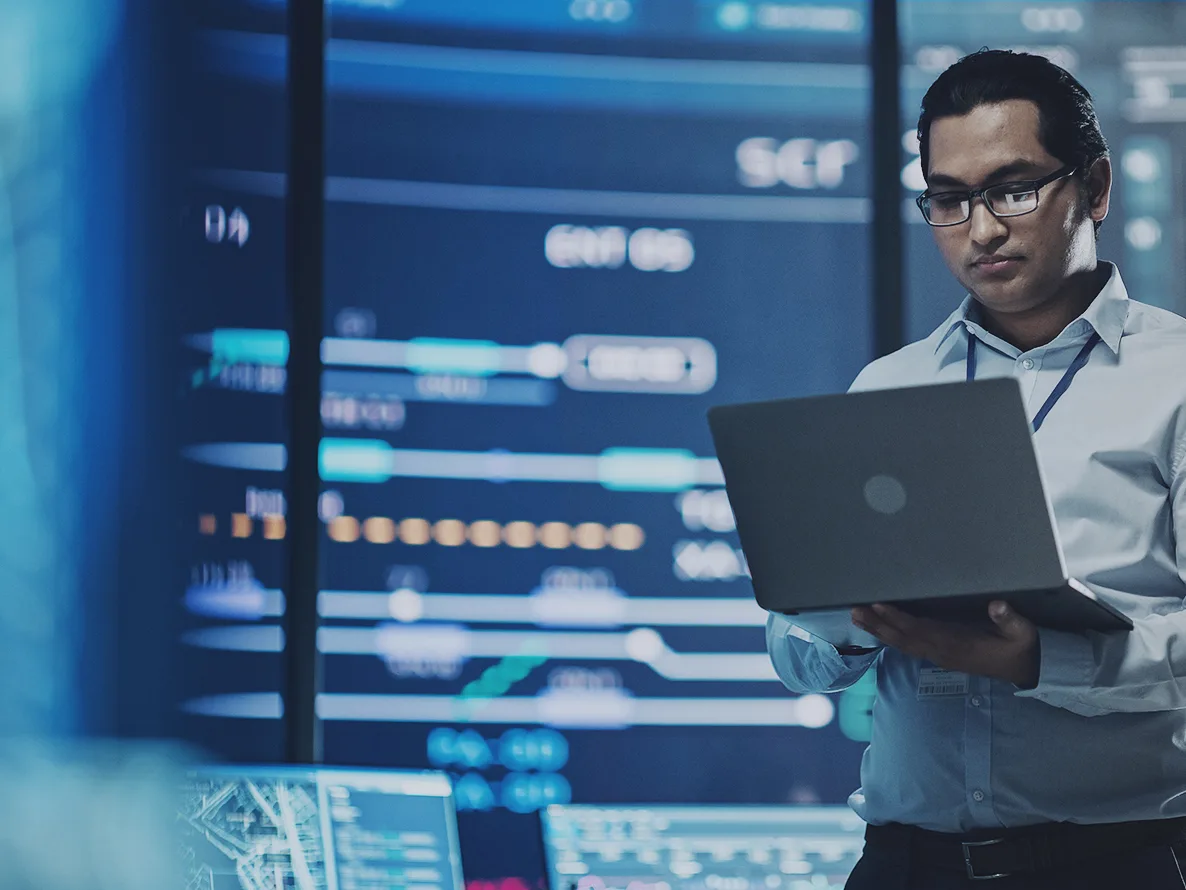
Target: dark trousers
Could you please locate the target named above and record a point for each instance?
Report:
(1159, 866)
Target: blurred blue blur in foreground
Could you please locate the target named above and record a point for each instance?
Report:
(100, 816)
(59, 148)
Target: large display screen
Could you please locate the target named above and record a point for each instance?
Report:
(554, 251)
(556, 234)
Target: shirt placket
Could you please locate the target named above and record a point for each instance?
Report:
(978, 750)
(1026, 369)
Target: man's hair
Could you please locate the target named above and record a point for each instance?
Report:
(1068, 127)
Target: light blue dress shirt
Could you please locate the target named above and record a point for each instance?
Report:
(1102, 738)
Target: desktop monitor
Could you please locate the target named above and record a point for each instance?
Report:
(700, 847)
(313, 828)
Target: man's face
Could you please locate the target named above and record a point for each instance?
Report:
(1017, 263)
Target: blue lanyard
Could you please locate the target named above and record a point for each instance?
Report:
(1063, 385)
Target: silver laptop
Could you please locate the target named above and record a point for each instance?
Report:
(928, 497)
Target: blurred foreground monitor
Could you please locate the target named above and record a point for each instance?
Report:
(268, 828)
(701, 847)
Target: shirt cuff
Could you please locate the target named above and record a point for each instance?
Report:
(833, 627)
(1066, 666)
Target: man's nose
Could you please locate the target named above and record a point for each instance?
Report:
(985, 228)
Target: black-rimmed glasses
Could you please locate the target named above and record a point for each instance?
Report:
(1003, 199)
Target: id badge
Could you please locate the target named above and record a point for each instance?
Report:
(934, 682)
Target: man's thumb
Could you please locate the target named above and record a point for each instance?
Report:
(1005, 618)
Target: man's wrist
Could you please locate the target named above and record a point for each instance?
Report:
(1030, 669)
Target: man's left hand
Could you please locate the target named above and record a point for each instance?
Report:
(1006, 649)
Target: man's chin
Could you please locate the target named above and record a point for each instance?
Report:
(1000, 296)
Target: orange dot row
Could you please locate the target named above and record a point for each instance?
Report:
(449, 532)
(487, 533)
(243, 526)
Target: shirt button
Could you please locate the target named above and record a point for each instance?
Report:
(977, 796)
(976, 701)
(1028, 364)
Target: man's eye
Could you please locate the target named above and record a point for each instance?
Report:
(947, 201)
(1020, 194)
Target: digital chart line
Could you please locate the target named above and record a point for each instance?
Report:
(262, 346)
(604, 709)
(606, 608)
(439, 388)
(545, 607)
(374, 461)
(617, 469)
(455, 643)
(585, 362)
(558, 201)
(269, 457)
(438, 356)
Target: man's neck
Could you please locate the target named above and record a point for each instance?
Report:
(1040, 324)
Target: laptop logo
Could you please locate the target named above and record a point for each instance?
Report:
(885, 494)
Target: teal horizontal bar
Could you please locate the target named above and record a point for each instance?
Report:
(261, 347)
(475, 358)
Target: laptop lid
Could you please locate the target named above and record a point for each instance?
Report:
(889, 495)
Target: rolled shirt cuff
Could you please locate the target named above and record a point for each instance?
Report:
(833, 627)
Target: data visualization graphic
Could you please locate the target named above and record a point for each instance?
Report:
(279, 839)
(569, 248)
(273, 828)
(548, 252)
(701, 848)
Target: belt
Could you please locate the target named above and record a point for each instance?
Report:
(988, 854)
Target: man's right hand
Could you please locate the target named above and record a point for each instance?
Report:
(1006, 649)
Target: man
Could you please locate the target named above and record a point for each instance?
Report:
(1057, 760)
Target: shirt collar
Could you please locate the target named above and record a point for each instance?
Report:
(1106, 315)
(1108, 312)
(956, 320)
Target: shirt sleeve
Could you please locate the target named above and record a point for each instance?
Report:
(809, 664)
(1141, 670)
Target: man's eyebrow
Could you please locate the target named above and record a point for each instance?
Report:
(1021, 165)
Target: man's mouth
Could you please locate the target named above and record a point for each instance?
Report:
(997, 263)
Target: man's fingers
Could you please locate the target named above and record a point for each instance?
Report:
(917, 637)
(1011, 625)
(896, 618)
(887, 633)
(866, 619)
(988, 651)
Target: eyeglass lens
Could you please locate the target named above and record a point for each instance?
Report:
(1003, 200)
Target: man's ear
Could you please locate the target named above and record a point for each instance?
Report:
(1099, 189)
